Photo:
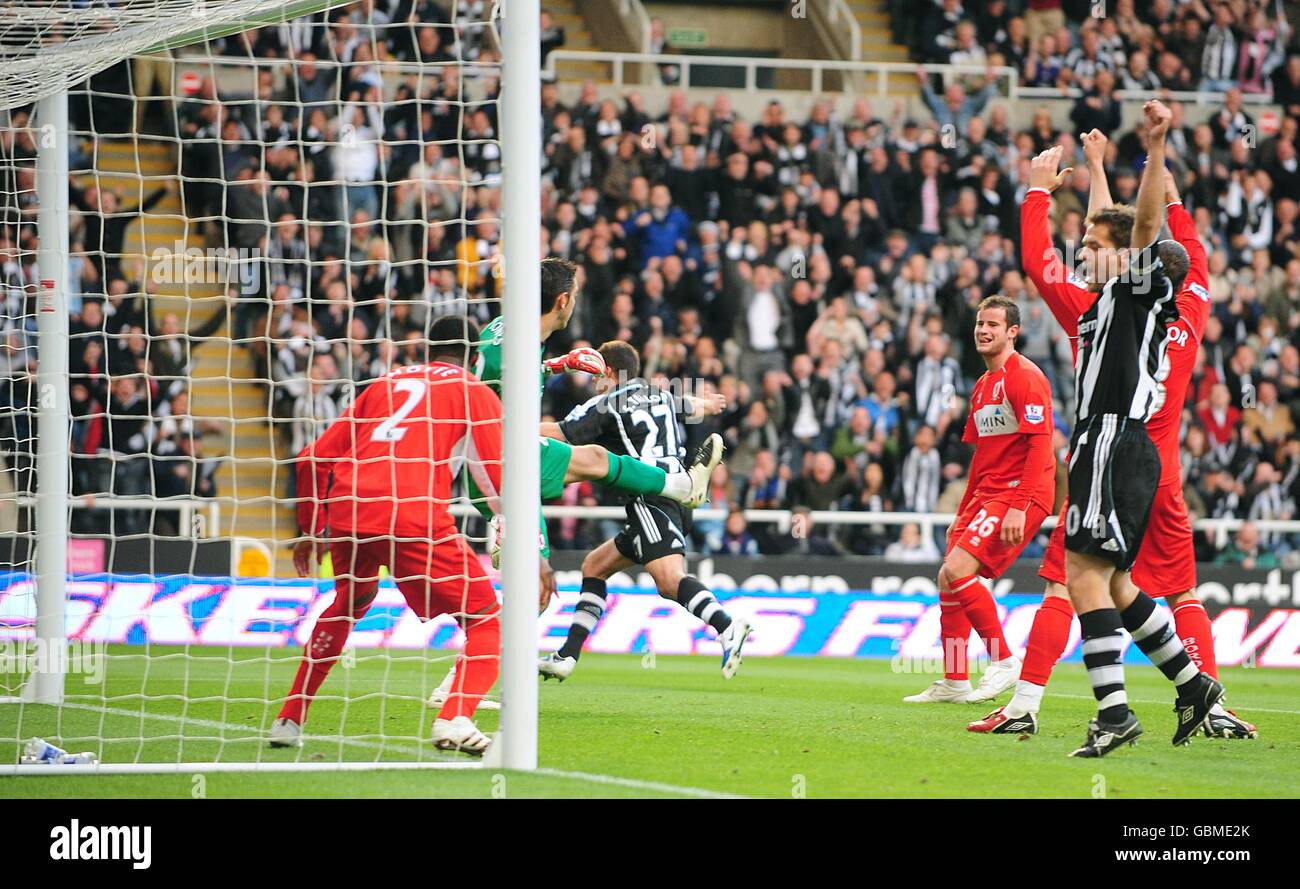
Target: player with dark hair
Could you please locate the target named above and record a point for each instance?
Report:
(374, 489)
(563, 463)
(638, 419)
(1166, 561)
(1012, 482)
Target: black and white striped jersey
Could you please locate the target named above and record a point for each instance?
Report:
(638, 419)
(1120, 367)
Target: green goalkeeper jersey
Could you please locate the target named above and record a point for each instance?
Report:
(488, 369)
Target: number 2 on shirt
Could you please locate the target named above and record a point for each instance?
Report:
(389, 430)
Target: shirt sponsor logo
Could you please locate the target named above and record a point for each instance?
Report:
(995, 419)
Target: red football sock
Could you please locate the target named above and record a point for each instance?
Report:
(323, 649)
(1193, 626)
(476, 668)
(977, 602)
(954, 630)
(1048, 637)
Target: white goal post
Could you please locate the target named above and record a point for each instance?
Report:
(46, 51)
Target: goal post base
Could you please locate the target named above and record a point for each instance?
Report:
(34, 693)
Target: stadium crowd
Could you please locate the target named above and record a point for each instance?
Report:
(820, 271)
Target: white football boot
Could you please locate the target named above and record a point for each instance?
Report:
(552, 666)
(459, 734)
(439, 695)
(701, 469)
(285, 733)
(943, 691)
(998, 677)
(732, 641)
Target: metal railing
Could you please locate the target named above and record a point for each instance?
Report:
(818, 68)
(927, 521)
(862, 70)
(199, 518)
(1187, 97)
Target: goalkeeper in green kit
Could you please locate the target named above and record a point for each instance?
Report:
(562, 463)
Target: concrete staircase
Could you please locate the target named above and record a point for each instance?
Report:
(878, 45)
(223, 385)
(577, 36)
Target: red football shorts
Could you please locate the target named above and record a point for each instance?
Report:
(445, 577)
(978, 530)
(1166, 561)
(1053, 568)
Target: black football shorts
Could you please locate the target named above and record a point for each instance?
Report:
(1114, 471)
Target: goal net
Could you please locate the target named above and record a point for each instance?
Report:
(266, 204)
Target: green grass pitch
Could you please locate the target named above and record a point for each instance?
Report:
(628, 726)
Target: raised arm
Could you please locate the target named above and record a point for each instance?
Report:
(1065, 295)
(1151, 193)
(1183, 230)
(1094, 151)
(701, 406)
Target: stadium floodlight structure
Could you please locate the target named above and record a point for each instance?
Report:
(51, 49)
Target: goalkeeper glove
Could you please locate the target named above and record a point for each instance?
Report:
(583, 360)
(494, 539)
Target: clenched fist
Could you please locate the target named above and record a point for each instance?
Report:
(1158, 117)
(1094, 147)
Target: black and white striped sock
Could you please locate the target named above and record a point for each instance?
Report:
(1103, 648)
(1154, 633)
(591, 605)
(698, 599)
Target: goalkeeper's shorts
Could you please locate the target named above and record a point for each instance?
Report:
(554, 460)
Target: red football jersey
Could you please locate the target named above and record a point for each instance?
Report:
(1184, 340)
(1068, 297)
(1008, 408)
(385, 467)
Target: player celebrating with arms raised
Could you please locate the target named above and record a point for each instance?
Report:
(1009, 493)
(1166, 562)
(1115, 467)
(375, 489)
